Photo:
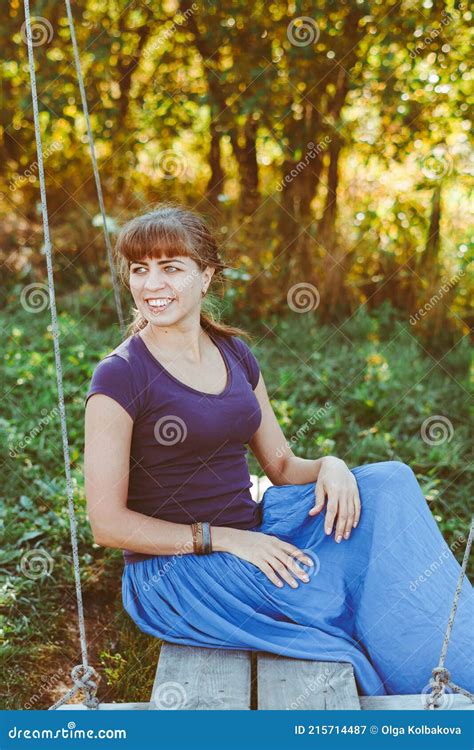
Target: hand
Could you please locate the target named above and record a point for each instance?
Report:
(337, 482)
(270, 554)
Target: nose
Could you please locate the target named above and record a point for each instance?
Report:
(155, 280)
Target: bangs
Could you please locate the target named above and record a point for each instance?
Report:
(154, 240)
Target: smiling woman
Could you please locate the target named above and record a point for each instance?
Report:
(170, 413)
(170, 253)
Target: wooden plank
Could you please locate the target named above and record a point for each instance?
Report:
(368, 703)
(201, 678)
(299, 684)
(411, 703)
(106, 707)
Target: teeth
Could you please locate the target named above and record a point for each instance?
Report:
(160, 303)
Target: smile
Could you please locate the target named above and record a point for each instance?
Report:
(158, 305)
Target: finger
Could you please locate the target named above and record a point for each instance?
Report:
(341, 517)
(357, 507)
(330, 515)
(320, 496)
(350, 516)
(292, 565)
(270, 573)
(283, 571)
(297, 553)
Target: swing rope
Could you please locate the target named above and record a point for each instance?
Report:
(81, 674)
(441, 679)
(84, 676)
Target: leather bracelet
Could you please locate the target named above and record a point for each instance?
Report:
(207, 543)
(199, 538)
(198, 547)
(202, 544)
(194, 529)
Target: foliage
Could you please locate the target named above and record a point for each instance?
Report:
(365, 388)
(216, 105)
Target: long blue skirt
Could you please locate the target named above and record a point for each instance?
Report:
(380, 600)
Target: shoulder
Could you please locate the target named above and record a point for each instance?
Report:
(118, 362)
(116, 375)
(246, 358)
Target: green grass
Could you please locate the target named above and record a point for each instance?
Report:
(379, 384)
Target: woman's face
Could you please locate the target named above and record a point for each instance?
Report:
(166, 290)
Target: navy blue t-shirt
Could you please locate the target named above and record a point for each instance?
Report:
(188, 456)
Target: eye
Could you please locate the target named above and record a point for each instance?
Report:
(138, 268)
(175, 268)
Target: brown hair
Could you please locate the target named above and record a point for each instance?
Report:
(169, 230)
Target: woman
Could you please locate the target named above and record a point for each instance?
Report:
(327, 566)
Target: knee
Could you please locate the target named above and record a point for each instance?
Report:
(386, 489)
(388, 475)
(396, 470)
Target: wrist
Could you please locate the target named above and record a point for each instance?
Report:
(332, 460)
(222, 537)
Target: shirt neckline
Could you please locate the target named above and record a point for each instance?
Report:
(185, 385)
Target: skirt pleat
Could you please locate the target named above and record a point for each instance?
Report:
(380, 600)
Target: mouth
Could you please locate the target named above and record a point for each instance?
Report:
(158, 304)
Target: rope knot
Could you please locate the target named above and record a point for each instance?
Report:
(87, 680)
(440, 680)
(441, 676)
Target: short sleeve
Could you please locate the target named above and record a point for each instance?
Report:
(113, 377)
(248, 359)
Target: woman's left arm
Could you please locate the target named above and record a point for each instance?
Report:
(335, 482)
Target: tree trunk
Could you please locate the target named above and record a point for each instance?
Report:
(125, 72)
(327, 225)
(216, 180)
(299, 184)
(336, 261)
(245, 150)
(429, 261)
(429, 268)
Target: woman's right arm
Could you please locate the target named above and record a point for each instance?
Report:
(108, 435)
(107, 442)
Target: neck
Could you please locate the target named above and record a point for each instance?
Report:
(173, 342)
